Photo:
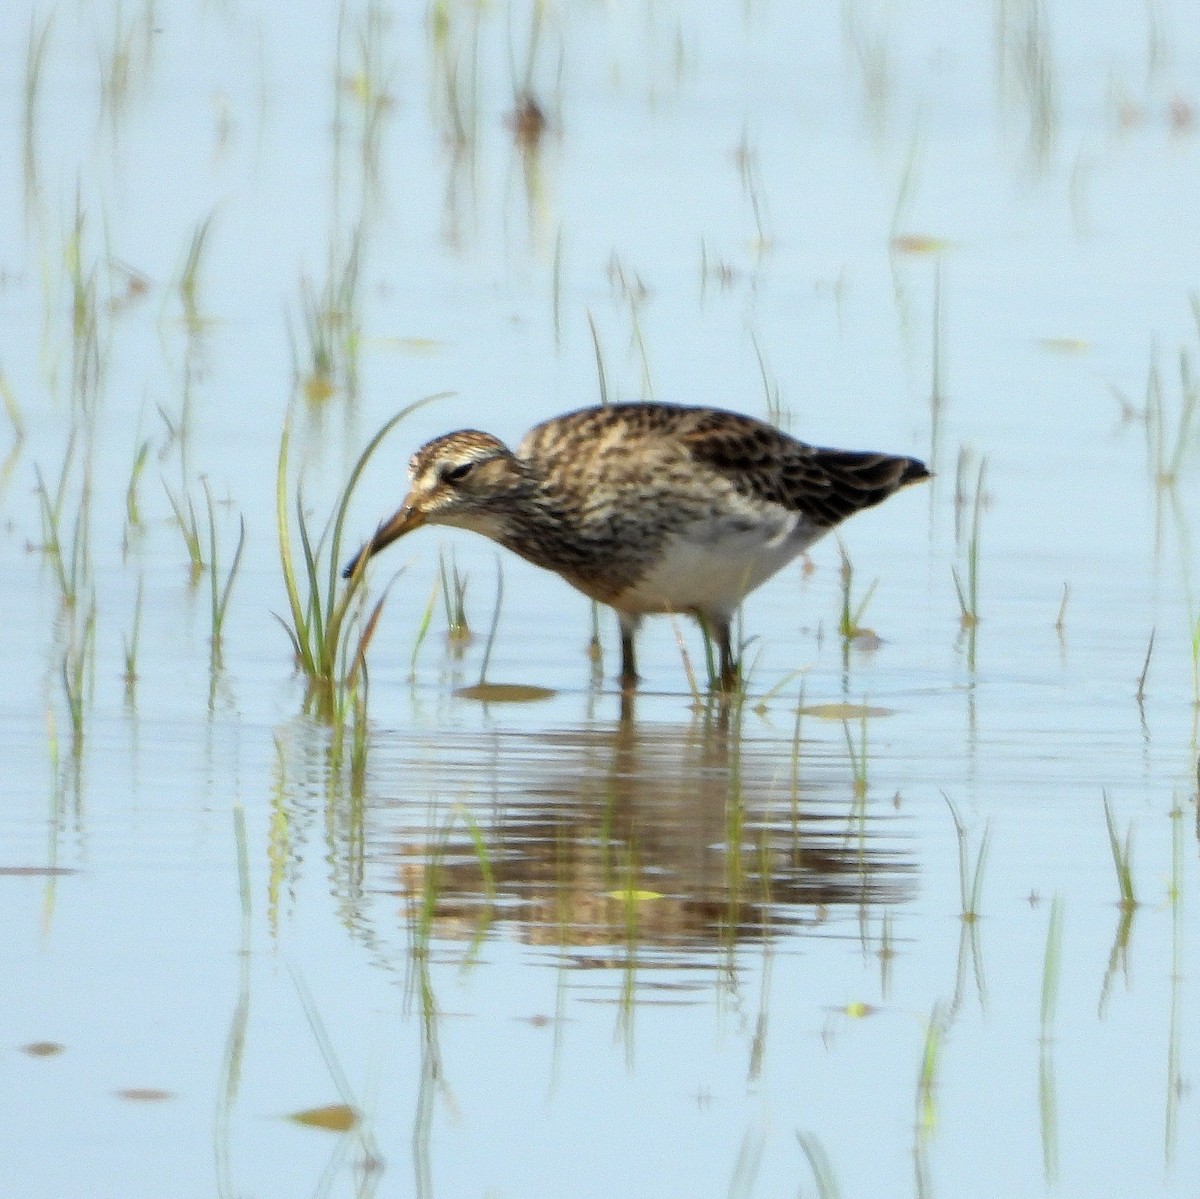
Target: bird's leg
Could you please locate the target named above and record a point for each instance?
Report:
(730, 670)
(629, 674)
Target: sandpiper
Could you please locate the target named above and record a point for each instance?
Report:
(647, 507)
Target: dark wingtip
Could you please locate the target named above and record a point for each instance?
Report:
(352, 565)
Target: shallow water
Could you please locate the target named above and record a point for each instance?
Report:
(571, 946)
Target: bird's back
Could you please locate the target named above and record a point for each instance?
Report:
(640, 445)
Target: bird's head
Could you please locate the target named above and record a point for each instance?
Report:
(466, 480)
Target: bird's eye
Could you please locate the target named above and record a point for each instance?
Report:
(452, 474)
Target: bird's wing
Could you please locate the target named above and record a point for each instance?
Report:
(765, 464)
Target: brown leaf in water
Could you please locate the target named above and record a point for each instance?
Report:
(335, 1117)
(43, 1048)
(35, 871)
(505, 693)
(845, 711)
(1065, 345)
(919, 243)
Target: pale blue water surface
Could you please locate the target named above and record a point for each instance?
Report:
(543, 949)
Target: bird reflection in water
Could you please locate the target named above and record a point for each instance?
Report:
(686, 838)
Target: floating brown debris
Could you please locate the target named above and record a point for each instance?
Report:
(527, 121)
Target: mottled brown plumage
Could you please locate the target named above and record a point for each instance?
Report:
(648, 507)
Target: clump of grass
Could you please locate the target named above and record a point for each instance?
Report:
(1195, 638)
(850, 625)
(454, 55)
(715, 270)
(487, 878)
(688, 671)
(1047, 1096)
(1122, 855)
(70, 554)
(423, 630)
(86, 357)
(78, 667)
(117, 68)
(13, 411)
(35, 62)
(131, 642)
(326, 629)
(746, 158)
(528, 120)
(858, 756)
(189, 276)
(968, 596)
(220, 594)
(454, 594)
(333, 325)
(926, 1114)
(1140, 694)
(601, 377)
(189, 529)
(776, 412)
(937, 370)
(632, 291)
(368, 83)
(1166, 446)
(133, 514)
(556, 288)
(818, 1160)
(1060, 621)
(970, 878)
(764, 701)
(1051, 967)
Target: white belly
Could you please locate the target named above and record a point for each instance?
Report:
(713, 566)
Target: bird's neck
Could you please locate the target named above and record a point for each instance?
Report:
(540, 528)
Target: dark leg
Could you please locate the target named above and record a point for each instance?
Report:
(629, 674)
(730, 674)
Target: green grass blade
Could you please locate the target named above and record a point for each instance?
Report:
(335, 547)
(298, 632)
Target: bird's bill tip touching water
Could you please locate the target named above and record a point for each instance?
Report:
(409, 517)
